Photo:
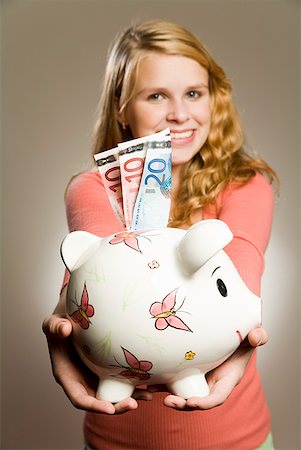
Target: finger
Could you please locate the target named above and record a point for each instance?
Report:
(217, 396)
(57, 326)
(128, 404)
(174, 401)
(91, 404)
(81, 398)
(258, 336)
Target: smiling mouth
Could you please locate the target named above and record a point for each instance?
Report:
(179, 135)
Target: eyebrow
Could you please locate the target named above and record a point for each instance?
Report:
(215, 270)
(159, 89)
(198, 86)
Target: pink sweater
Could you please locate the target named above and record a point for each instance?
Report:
(243, 421)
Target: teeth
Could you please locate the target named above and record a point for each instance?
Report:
(183, 135)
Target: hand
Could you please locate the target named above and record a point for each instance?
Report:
(78, 382)
(223, 379)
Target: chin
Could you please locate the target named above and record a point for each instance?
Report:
(179, 161)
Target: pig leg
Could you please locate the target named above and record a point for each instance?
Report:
(189, 383)
(114, 390)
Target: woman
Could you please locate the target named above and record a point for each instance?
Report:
(159, 75)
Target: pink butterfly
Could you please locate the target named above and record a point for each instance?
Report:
(165, 314)
(84, 311)
(129, 238)
(137, 369)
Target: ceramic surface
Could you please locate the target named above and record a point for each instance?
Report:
(156, 306)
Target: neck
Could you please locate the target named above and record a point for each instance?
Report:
(176, 176)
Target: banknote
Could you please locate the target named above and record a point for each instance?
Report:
(121, 169)
(143, 139)
(153, 201)
(131, 159)
(109, 169)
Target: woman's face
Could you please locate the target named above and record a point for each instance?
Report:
(171, 91)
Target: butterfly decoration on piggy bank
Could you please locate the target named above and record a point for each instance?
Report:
(156, 306)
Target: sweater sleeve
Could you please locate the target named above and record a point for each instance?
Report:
(248, 211)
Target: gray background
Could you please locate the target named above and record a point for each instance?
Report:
(53, 54)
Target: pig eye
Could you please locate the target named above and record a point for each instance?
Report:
(221, 287)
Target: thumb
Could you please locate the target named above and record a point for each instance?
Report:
(258, 336)
(57, 326)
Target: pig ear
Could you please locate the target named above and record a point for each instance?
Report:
(77, 247)
(202, 241)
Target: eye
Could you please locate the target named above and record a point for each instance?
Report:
(193, 94)
(221, 287)
(155, 96)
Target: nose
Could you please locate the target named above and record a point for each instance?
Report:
(178, 111)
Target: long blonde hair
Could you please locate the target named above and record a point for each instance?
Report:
(222, 158)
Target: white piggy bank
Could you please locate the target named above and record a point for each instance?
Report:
(157, 306)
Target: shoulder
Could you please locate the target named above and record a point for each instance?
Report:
(258, 183)
(84, 180)
(85, 190)
(83, 185)
(256, 189)
(87, 205)
(248, 204)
